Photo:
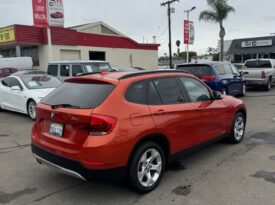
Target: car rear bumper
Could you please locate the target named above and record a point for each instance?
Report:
(75, 168)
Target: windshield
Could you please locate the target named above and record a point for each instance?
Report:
(40, 82)
(96, 67)
(258, 64)
(197, 70)
(82, 95)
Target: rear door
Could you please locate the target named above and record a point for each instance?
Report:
(171, 112)
(210, 117)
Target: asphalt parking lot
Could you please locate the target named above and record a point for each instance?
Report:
(215, 175)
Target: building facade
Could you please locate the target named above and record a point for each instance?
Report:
(239, 50)
(95, 41)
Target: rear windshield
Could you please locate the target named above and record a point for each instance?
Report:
(197, 70)
(96, 67)
(82, 95)
(40, 82)
(258, 64)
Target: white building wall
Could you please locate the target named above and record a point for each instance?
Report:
(147, 59)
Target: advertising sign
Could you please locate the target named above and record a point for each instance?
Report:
(260, 43)
(40, 13)
(7, 34)
(55, 12)
(189, 32)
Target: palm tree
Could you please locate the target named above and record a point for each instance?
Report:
(218, 13)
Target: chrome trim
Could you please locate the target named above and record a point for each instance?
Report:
(60, 169)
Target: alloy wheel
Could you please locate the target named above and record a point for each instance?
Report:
(239, 127)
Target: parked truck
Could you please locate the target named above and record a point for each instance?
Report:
(259, 72)
(18, 63)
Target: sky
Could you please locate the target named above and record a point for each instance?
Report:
(143, 19)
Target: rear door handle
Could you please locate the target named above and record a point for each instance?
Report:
(159, 112)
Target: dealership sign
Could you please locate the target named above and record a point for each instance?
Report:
(55, 12)
(189, 32)
(260, 43)
(7, 34)
(48, 12)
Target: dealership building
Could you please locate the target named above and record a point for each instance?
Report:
(94, 41)
(239, 50)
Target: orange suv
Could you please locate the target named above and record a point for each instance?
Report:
(131, 123)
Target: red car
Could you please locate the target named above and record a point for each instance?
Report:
(131, 123)
(57, 15)
(5, 72)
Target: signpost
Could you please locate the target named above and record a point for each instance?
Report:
(189, 35)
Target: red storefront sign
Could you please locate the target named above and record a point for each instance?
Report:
(189, 32)
(186, 32)
(40, 18)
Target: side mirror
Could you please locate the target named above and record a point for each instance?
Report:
(15, 88)
(217, 95)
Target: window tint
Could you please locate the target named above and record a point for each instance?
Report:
(40, 82)
(65, 70)
(10, 82)
(153, 97)
(136, 93)
(52, 70)
(76, 69)
(196, 90)
(82, 95)
(220, 69)
(197, 70)
(227, 69)
(169, 90)
(258, 64)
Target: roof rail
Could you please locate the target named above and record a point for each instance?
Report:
(141, 73)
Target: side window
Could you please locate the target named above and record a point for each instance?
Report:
(220, 69)
(169, 90)
(65, 70)
(227, 69)
(196, 90)
(5, 82)
(153, 97)
(10, 82)
(53, 70)
(136, 93)
(76, 69)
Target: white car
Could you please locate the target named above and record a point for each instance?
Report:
(22, 93)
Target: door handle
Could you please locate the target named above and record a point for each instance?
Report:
(159, 112)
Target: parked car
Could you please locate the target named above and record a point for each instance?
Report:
(127, 68)
(30, 72)
(5, 72)
(219, 76)
(57, 15)
(239, 66)
(165, 113)
(22, 93)
(260, 72)
(66, 69)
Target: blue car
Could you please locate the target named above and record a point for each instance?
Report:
(219, 76)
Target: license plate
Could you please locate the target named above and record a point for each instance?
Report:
(56, 129)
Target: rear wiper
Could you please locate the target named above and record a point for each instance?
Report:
(64, 106)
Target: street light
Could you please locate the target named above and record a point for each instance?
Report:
(187, 47)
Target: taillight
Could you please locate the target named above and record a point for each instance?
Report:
(263, 74)
(208, 78)
(101, 125)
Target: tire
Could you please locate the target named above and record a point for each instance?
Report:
(31, 109)
(140, 169)
(268, 86)
(243, 91)
(238, 129)
(224, 91)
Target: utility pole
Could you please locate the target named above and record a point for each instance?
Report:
(169, 24)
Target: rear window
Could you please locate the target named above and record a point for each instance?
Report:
(258, 64)
(197, 70)
(82, 95)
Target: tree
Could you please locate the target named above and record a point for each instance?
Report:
(218, 12)
(192, 54)
(211, 51)
(178, 45)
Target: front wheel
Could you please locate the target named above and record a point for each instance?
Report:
(147, 167)
(31, 108)
(238, 128)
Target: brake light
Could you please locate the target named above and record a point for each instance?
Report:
(101, 125)
(263, 74)
(208, 78)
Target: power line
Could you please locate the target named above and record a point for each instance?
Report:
(168, 3)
